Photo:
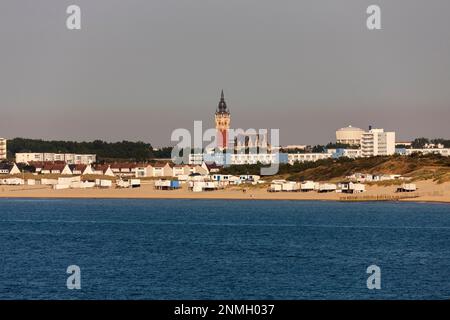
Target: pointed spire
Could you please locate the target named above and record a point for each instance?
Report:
(222, 107)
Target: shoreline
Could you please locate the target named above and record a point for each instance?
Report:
(429, 192)
(219, 198)
(232, 199)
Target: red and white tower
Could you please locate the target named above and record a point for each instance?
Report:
(223, 119)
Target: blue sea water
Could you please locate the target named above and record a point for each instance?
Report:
(221, 249)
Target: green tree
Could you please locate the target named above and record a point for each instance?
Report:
(419, 143)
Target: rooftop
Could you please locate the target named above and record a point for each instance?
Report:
(350, 128)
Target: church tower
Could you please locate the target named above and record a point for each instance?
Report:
(223, 119)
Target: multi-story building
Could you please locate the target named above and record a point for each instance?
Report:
(3, 149)
(305, 157)
(377, 142)
(238, 158)
(442, 151)
(348, 153)
(68, 158)
(349, 135)
(254, 158)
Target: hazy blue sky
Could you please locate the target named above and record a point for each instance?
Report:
(139, 69)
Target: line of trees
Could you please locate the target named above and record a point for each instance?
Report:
(162, 153)
(138, 151)
(421, 142)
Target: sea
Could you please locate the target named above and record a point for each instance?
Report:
(223, 249)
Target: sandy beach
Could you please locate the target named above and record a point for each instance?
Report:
(428, 191)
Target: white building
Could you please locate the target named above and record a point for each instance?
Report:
(253, 158)
(2, 149)
(349, 135)
(349, 153)
(143, 171)
(162, 170)
(433, 146)
(350, 187)
(307, 186)
(68, 158)
(196, 158)
(305, 157)
(56, 168)
(442, 151)
(249, 178)
(181, 170)
(238, 158)
(376, 142)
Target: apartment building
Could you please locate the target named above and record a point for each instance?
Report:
(442, 151)
(348, 153)
(254, 158)
(377, 142)
(305, 157)
(69, 158)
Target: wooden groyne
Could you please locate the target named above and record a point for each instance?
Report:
(380, 197)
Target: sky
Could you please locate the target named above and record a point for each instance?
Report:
(139, 69)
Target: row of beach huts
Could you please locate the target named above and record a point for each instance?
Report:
(370, 177)
(200, 183)
(341, 187)
(72, 182)
(308, 186)
(195, 186)
(137, 170)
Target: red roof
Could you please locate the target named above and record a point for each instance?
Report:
(123, 165)
(36, 164)
(79, 167)
(102, 168)
(54, 166)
